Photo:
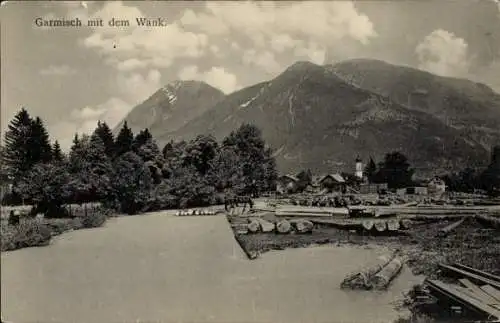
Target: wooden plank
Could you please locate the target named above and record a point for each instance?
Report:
(493, 292)
(457, 295)
(447, 229)
(478, 292)
(477, 272)
(473, 277)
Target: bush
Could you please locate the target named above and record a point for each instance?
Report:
(29, 233)
(94, 219)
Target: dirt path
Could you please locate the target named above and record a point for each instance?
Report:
(163, 268)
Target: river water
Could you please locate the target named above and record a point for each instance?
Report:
(161, 268)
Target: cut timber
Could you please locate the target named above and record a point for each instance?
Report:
(447, 229)
(266, 226)
(456, 295)
(493, 292)
(302, 226)
(367, 225)
(283, 226)
(491, 221)
(477, 272)
(253, 226)
(383, 278)
(405, 224)
(393, 225)
(478, 292)
(474, 277)
(380, 226)
(361, 279)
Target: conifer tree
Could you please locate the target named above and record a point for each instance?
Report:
(142, 137)
(57, 154)
(124, 140)
(39, 142)
(17, 156)
(104, 132)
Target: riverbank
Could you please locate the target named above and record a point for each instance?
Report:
(471, 243)
(38, 232)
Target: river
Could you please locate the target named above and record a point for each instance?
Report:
(162, 268)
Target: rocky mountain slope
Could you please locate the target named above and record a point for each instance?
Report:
(172, 106)
(320, 117)
(474, 108)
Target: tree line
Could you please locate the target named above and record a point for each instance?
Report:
(130, 173)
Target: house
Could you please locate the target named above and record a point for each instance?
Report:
(373, 188)
(333, 183)
(415, 190)
(436, 186)
(287, 184)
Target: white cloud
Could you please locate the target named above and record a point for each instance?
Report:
(61, 70)
(264, 59)
(155, 47)
(443, 53)
(217, 77)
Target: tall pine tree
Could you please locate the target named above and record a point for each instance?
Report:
(140, 139)
(104, 132)
(39, 143)
(124, 140)
(57, 154)
(17, 156)
(371, 170)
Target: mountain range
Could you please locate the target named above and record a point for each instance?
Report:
(323, 117)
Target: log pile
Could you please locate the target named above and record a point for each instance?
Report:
(377, 276)
(195, 212)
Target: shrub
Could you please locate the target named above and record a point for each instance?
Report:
(94, 219)
(29, 233)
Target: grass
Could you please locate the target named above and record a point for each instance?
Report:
(35, 232)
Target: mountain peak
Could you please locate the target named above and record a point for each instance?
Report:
(302, 66)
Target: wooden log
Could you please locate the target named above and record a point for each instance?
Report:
(405, 224)
(393, 225)
(283, 226)
(302, 226)
(380, 226)
(447, 229)
(265, 226)
(493, 292)
(490, 221)
(253, 226)
(361, 279)
(368, 225)
(383, 278)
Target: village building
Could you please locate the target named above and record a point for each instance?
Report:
(436, 186)
(333, 183)
(287, 184)
(372, 188)
(414, 190)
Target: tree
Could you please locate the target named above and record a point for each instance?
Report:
(305, 178)
(131, 183)
(17, 156)
(226, 172)
(395, 171)
(124, 140)
(104, 132)
(140, 139)
(173, 158)
(91, 171)
(490, 178)
(371, 170)
(259, 166)
(190, 188)
(39, 142)
(57, 154)
(153, 159)
(45, 185)
(199, 152)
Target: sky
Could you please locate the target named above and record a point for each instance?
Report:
(74, 76)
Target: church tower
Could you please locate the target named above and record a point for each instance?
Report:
(359, 168)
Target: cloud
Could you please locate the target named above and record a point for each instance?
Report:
(217, 77)
(61, 70)
(443, 53)
(264, 59)
(154, 47)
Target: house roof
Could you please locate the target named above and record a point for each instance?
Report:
(290, 177)
(336, 177)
